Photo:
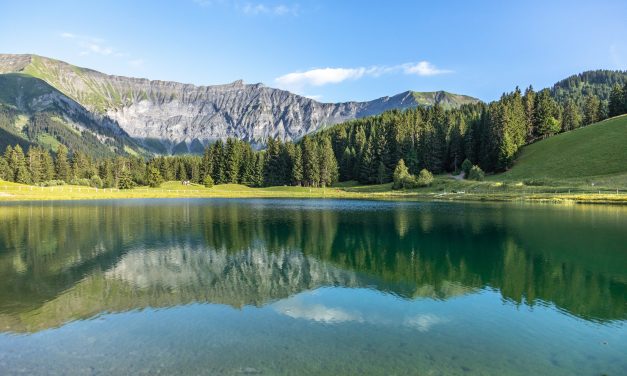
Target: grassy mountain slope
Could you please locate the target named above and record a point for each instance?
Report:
(33, 112)
(591, 154)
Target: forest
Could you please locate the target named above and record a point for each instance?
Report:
(368, 150)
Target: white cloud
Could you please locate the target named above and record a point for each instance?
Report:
(315, 97)
(423, 68)
(259, 8)
(325, 76)
(89, 45)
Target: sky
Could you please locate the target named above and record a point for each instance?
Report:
(336, 50)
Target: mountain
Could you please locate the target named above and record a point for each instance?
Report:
(597, 82)
(33, 112)
(165, 116)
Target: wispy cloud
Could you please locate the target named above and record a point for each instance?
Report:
(325, 76)
(89, 45)
(423, 68)
(254, 8)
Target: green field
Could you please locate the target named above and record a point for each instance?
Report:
(444, 188)
(588, 165)
(593, 155)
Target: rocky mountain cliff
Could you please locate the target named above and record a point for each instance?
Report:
(164, 116)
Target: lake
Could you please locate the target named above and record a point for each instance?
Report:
(299, 287)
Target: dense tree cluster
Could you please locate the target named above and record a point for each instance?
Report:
(486, 137)
(308, 163)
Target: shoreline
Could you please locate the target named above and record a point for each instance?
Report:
(21, 193)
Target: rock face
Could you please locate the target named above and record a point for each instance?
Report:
(163, 114)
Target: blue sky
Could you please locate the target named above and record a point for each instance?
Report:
(331, 50)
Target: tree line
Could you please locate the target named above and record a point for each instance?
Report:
(368, 150)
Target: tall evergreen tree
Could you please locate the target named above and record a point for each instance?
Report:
(311, 167)
(5, 172)
(547, 115)
(20, 167)
(297, 168)
(328, 163)
(615, 106)
(62, 164)
(571, 118)
(591, 110)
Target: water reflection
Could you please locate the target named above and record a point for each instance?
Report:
(65, 261)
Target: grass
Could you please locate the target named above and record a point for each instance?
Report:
(444, 189)
(593, 155)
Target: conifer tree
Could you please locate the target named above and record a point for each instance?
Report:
(328, 163)
(5, 172)
(571, 118)
(297, 168)
(615, 106)
(311, 166)
(591, 110)
(154, 178)
(62, 165)
(20, 168)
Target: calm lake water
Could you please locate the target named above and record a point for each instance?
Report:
(299, 287)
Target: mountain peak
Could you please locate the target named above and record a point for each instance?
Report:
(165, 115)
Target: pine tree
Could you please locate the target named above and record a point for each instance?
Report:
(615, 106)
(311, 166)
(232, 158)
(218, 162)
(247, 166)
(154, 178)
(47, 162)
(62, 164)
(20, 168)
(366, 171)
(10, 173)
(259, 170)
(571, 118)
(547, 115)
(529, 100)
(35, 164)
(328, 163)
(5, 172)
(591, 110)
(207, 162)
(297, 166)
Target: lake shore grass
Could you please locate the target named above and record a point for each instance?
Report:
(444, 188)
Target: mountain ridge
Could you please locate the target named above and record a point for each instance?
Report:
(163, 115)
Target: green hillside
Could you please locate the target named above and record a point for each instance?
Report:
(596, 153)
(34, 113)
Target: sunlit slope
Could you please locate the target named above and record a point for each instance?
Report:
(596, 151)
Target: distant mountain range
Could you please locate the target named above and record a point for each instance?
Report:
(47, 102)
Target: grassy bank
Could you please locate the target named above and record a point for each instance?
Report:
(444, 189)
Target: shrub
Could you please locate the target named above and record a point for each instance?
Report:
(208, 181)
(51, 183)
(466, 167)
(476, 173)
(83, 182)
(95, 181)
(125, 181)
(425, 178)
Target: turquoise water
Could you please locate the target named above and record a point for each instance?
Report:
(300, 287)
